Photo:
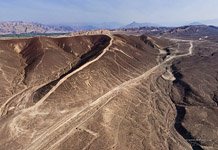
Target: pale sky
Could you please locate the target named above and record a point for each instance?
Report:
(98, 11)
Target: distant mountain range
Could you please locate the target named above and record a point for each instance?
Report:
(19, 27)
(139, 25)
(196, 23)
(213, 22)
(192, 31)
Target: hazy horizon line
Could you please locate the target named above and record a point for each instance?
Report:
(173, 24)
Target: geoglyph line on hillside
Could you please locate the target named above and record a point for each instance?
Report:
(71, 74)
(77, 119)
(4, 107)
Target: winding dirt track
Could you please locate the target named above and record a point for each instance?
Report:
(66, 126)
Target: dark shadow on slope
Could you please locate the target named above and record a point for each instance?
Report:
(215, 98)
(95, 51)
(182, 130)
(185, 91)
(145, 39)
(189, 96)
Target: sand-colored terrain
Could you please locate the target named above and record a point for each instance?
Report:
(101, 90)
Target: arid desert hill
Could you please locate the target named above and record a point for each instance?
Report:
(104, 90)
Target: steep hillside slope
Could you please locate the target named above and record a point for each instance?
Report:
(101, 90)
